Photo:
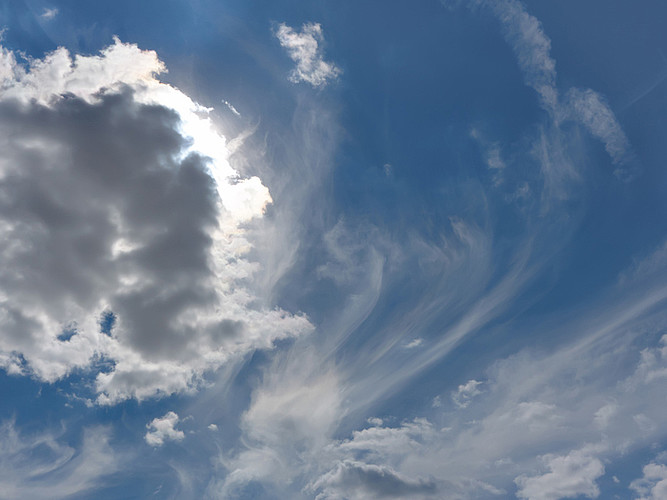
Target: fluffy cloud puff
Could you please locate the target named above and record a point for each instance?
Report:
(653, 485)
(569, 476)
(304, 49)
(118, 206)
(164, 429)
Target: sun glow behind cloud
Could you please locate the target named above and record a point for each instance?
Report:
(120, 85)
(485, 303)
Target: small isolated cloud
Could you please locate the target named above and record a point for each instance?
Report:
(653, 484)
(465, 393)
(231, 107)
(49, 14)
(569, 476)
(305, 50)
(163, 429)
(414, 343)
(212, 427)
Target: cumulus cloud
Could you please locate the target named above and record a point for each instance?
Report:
(465, 393)
(117, 198)
(653, 484)
(163, 429)
(569, 476)
(653, 364)
(304, 48)
(358, 481)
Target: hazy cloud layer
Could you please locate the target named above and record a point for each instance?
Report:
(43, 466)
(117, 200)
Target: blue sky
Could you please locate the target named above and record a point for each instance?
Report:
(333, 250)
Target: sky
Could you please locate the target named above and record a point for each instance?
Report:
(333, 250)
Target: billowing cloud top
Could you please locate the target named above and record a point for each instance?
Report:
(121, 228)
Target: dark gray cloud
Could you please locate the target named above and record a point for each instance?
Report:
(352, 479)
(108, 204)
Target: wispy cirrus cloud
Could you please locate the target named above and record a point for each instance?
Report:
(532, 48)
(44, 465)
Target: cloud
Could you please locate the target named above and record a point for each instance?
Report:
(305, 50)
(358, 481)
(532, 48)
(414, 343)
(49, 14)
(163, 429)
(653, 484)
(117, 196)
(569, 476)
(465, 393)
(44, 466)
(231, 107)
(285, 425)
(593, 112)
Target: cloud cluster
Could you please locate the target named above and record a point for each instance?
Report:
(164, 429)
(653, 484)
(569, 476)
(522, 436)
(118, 206)
(304, 48)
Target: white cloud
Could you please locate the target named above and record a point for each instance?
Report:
(653, 484)
(603, 416)
(532, 48)
(212, 427)
(465, 393)
(44, 466)
(305, 50)
(152, 231)
(414, 343)
(49, 14)
(652, 365)
(359, 481)
(163, 429)
(593, 112)
(231, 107)
(569, 476)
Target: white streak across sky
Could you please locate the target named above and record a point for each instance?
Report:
(426, 259)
